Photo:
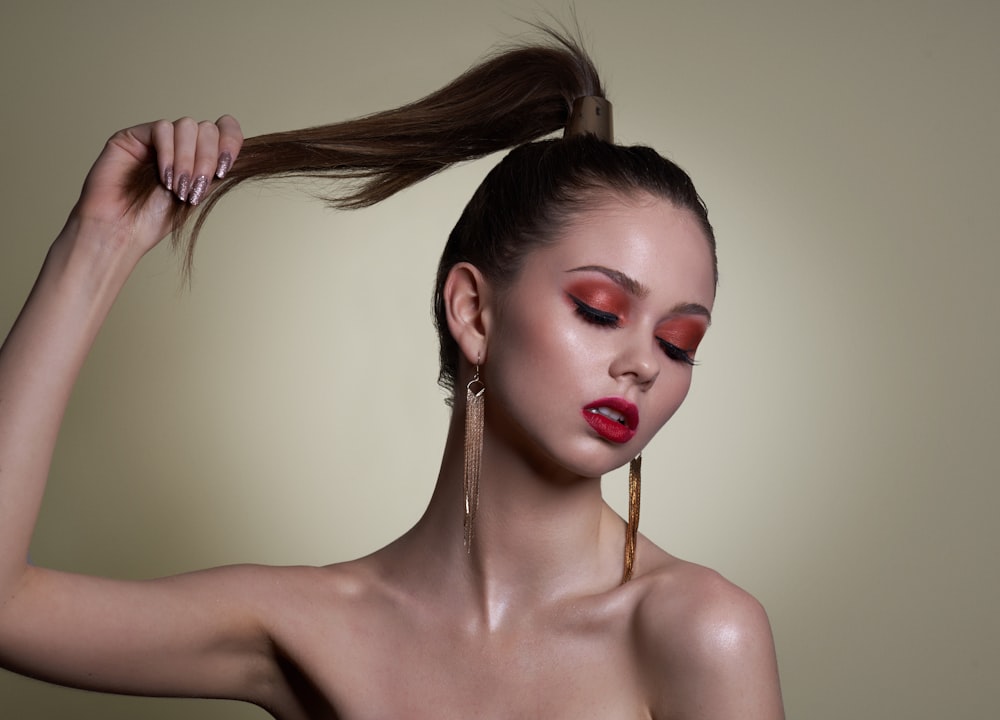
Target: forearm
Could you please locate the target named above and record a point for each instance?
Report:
(39, 363)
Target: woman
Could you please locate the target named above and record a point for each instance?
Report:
(570, 300)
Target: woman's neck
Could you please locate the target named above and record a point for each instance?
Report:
(538, 535)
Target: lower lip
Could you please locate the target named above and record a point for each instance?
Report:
(607, 428)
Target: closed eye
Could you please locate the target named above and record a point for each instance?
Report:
(603, 318)
(675, 353)
(595, 316)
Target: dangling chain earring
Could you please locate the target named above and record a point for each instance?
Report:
(475, 393)
(632, 527)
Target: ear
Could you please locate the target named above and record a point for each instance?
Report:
(468, 309)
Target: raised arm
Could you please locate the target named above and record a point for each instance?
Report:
(185, 635)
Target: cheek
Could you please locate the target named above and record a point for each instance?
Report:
(670, 391)
(542, 357)
(545, 357)
(541, 337)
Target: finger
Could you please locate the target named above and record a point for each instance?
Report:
(230, 142)
(162, 138)
(206, 160)
(185, 147)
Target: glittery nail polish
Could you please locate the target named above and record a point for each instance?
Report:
(198, 189)
(168, 178)
(183, 185)
(225, 162)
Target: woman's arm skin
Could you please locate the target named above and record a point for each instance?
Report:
(194, 634)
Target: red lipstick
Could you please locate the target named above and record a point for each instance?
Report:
(614, 419)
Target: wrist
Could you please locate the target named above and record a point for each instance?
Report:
(99, 250)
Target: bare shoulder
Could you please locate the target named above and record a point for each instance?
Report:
(704, 644)
(689, 602)
(287, 591)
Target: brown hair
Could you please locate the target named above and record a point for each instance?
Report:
(507, 101)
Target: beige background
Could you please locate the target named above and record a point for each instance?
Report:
(837, 456)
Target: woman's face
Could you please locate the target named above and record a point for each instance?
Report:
(590, 351)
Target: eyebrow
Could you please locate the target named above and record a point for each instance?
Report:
(630, 285)
(637, 289)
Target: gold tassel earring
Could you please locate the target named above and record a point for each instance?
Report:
(475, 393)
(632, 527)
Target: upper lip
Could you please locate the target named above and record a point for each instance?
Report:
(621, 405)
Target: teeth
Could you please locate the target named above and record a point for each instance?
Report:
(609, 413)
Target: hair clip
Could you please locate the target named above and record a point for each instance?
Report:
(590, 114)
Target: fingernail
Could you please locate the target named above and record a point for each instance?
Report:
(225, 162)
(183, 185)
(168, 178)
(198, 190)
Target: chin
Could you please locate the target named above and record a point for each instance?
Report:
(598, 459)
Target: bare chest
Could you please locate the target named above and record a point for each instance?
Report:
(358, 670)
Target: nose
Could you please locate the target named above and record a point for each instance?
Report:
(637, 360)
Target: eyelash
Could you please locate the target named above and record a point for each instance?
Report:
(595, 316)
(606, 319)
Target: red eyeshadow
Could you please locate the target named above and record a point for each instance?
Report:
(600, 295)
(684, 332)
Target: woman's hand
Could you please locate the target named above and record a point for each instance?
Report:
(187, 156)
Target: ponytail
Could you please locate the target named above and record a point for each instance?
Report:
(512, 98)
